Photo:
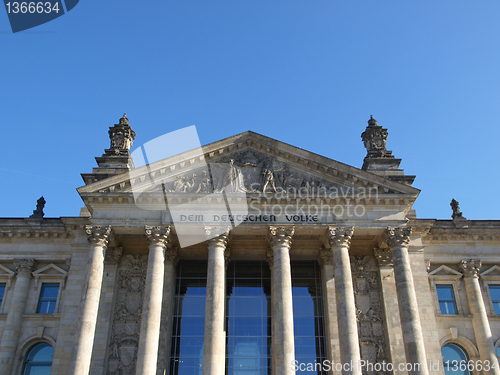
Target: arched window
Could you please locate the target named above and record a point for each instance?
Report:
(39, 360)
(454, 360)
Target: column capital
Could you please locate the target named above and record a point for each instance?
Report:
(383, 257)
(281, 235)
(99, 235)
(158, 236)
(113, 255)
(470, 268)
(217, 235)
(339, 236)
(398, 236)
(24, 266)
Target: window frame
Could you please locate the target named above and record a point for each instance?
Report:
(6, 276)
(56, 307)
(444, 275)
(41, 278)
(491, 276)
(454, 298)
(28, 352)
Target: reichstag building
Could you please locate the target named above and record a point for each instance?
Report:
(247, 256)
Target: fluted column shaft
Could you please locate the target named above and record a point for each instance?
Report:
(81, 355)
(10, 336)
(339, 240)
(482, 330)
(283, 345)
(214, 341)
(147, 352)
(398, 240)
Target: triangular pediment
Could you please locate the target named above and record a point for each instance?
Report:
(445, 271)
(50, 272)
(249, 163)
(491, 272)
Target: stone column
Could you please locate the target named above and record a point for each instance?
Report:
(325, 260)
(395, 348)
(171, 260)
(482, 330)
(147, 353)
(398, 240)
(283, 345)
(105, 315)
(13, 324)
(81, 355)
(339, 240)
(215, 335)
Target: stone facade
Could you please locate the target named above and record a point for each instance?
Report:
(115, 265)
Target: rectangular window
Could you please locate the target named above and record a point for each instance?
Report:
(446, 299)
(48, 299)
(2, 292)
(495, 297)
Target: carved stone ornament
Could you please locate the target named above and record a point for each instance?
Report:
(171, 254)
(375, 138)
(270, 257)
(325, 257)
(383, 257)
(398, 236)
(339, 236)
(158, 235)
(470, 268)
(456, 210)
(24, 266)
(217, 236)
(113, 255)
(122, 356)
(99, 235)
(250, 172)
(38, 212)
(121, 136)
(281, 235)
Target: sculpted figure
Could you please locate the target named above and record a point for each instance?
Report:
(267, 179)
(228, 178)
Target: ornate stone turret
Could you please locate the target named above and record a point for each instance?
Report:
(116, 159)
(378, 160)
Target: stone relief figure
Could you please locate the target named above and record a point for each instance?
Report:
(267, 179)
(205, 185)
(456, 209)
(228, 178)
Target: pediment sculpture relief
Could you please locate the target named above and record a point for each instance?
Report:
(247, 172)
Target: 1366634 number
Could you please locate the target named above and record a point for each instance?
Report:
(32, 7)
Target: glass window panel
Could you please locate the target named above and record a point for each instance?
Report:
(245, 307)
(247, 287)
(191, 346)
(304, 326)
(48, 298)
(190, 326)
(495, 297)
(191, 306)
(2, 292)
(39, 360)
(451, 353)
(247, 326)
(303, 307)
(446, 299)
(305, 347)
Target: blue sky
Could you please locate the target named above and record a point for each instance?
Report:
(309, 73)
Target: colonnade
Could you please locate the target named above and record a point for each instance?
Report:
(337, 241)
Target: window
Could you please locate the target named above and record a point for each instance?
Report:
(248, 318)
(308, 315)
(189, 318)
(2, 292)
(446, 299)
(48, 299)
(39, 360)
(495, 297)
(453, 357)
